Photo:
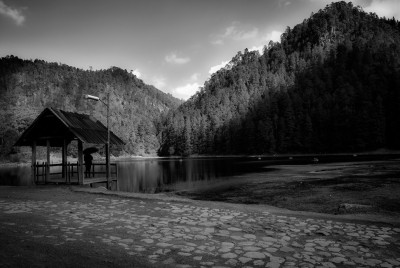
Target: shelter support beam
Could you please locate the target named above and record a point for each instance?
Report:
(48, 160)
(33, 172)
(108, 145)
(64, 158)
(80, 162)
(108, 167)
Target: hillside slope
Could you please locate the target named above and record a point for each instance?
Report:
(27, 87)
(331, 85)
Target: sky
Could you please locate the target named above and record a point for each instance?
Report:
(174, 45)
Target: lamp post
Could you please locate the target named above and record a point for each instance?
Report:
(95, 98)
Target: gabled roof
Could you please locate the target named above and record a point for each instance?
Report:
(57, 126)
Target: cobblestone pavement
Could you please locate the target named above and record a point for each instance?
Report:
(180, 234)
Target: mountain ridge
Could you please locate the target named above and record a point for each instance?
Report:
(29, 86)
(330, 85)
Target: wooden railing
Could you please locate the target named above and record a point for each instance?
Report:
(44, 172)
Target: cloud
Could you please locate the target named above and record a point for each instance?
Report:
(236, 31)
(136, 72)
(246, 35)
(284, 3)
(273, 35)
(13, 13)
(174, 59)
(194, 77)
(217, 42)
(158, 81)
(383, 8)
(186, 91)
(257, 48)
(215, 68)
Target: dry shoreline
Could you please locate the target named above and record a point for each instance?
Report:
(49, 226)
(393, 220)
(369, 188)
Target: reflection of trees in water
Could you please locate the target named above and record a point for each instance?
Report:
(162, 175)
(16, 176)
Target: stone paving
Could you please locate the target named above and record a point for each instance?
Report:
(190, 235)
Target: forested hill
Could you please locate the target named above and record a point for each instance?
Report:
(331, 85)
(27, 87)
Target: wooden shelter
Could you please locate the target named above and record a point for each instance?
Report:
(57, 128)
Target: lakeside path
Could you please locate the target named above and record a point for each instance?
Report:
(56, 226)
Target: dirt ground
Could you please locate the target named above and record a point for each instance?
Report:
(336, 188)
(56, 226)
(30, 239)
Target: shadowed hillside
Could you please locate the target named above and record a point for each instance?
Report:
(331, 85)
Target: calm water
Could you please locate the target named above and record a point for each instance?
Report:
(159, 175)
(162, 175)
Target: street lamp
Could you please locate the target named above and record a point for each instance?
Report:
(95, 98)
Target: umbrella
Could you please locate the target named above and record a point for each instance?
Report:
(90, 150)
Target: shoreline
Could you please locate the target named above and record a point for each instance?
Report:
(339, 188)
(336, 188)
(57, 159)
(172, 197)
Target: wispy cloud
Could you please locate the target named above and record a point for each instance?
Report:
(174, 59)
(12, 13)
(270, 36)
(284, 3)
(274, 36)
(217, 42)
(257, 48)
(383, 8)
(194, 77)
(158, 81)
(215, 68)
(236, 31)
(186, 91)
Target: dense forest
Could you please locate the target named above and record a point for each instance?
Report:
(27, 87)
(331, 85)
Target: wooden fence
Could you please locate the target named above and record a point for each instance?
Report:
(55, 173)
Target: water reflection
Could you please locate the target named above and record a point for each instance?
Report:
(160, 175)
(16, 176)
(163, 175)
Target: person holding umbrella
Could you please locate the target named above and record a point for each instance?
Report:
(88, 159)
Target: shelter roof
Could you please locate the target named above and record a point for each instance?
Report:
(57, 125)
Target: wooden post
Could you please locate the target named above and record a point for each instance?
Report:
(80, 162)
(43, 171)
(48, 161)
(116, 176)
(64, 159)
(33, 161)
(108, 167)
(37, 171)
(69, 172)
(108, 144)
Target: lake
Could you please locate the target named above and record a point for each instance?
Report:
(153, 175)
